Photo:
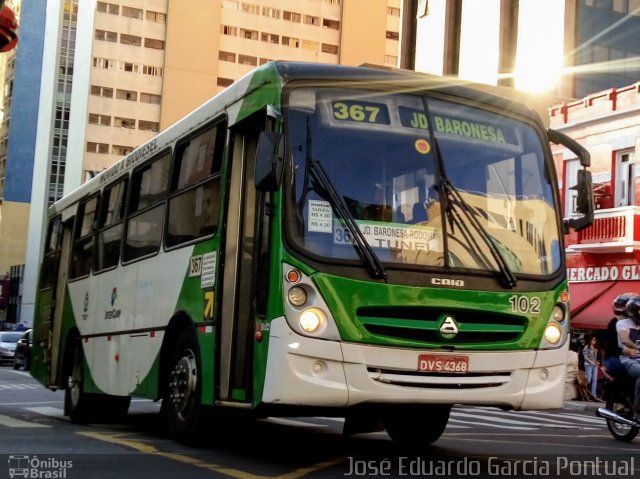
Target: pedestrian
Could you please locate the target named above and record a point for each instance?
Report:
(591, 364)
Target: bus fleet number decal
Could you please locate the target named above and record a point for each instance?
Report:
(524, 304)
(195, 266)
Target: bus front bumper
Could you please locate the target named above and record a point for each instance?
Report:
(305, 371)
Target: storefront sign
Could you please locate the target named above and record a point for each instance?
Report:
(620, 272)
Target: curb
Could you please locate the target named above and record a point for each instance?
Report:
(584, 405)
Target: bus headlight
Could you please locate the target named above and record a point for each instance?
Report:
(305, 310)
(557, 314)
(557, 329)
(297, 296)
(312, 319)
(553, 333)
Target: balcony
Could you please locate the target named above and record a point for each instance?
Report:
(614, 230)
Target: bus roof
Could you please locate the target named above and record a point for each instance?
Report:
(276, 74)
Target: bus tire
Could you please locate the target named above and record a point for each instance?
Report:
(182, 399)
(417, 426)
(76, 402)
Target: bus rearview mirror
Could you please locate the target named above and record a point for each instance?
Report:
(269, 161)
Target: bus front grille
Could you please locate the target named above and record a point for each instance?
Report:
(425, 325)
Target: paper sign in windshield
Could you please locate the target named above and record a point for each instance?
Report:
(320, 216)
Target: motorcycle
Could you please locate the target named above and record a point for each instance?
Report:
(618, 394)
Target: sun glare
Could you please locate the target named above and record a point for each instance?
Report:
(539, 54)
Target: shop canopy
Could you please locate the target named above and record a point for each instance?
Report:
(591, 302)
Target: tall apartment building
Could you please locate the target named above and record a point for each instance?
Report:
(122, 70)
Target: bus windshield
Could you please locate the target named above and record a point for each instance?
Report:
(428, 183)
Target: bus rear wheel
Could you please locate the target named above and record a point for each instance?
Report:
(181, 403)
(417, 426)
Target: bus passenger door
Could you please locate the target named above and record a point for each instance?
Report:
(58, 301)
(241, 283)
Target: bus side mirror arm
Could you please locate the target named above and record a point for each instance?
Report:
(269, 161)
(584, 186)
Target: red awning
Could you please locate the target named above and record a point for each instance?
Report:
(591, 302)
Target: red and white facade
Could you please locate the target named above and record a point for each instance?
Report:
(603, 260)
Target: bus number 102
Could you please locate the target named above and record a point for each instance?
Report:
(524, 304)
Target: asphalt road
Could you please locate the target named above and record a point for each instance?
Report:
(37, 440)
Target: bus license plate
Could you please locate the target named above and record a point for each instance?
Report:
(443, 363)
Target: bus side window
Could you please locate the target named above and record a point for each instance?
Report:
(110, 219)
(194, 204)
(146, 209)
(83, 239)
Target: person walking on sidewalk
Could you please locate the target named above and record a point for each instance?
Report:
(591, 364)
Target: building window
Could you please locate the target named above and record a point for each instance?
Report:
(393, 35)
(224, 82)
(310, 45)
(157, 17)
(249, 34)
(148, 125)
(62, 118)
(154, 43)
(104, 63)
(129, 67)
(251, 8)
(226, 56)
(269, 38)
(126, 95)
(291, 16)
(230, 4)
(326, 48)
(121, 150)
(311, 20)
(394, 12)
(150, 98)
(247, 60)
(332, 24)
(151, 70)
(391, 60)
(128, 123)
(229, 30)
(290, 41)
(106, 36)
(111, 8)
(625, 178)
(132, 12)
(97, 119)
(270, 12)
(93, 147)
(130, 39)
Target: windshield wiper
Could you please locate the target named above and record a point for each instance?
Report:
(449, 196)
(317, 171)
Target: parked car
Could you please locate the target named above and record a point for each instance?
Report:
(8, 341)
(22, 355)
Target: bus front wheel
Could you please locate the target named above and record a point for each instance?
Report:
(181, 402)
(417, 426)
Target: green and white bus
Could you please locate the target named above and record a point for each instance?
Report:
(317, 240)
